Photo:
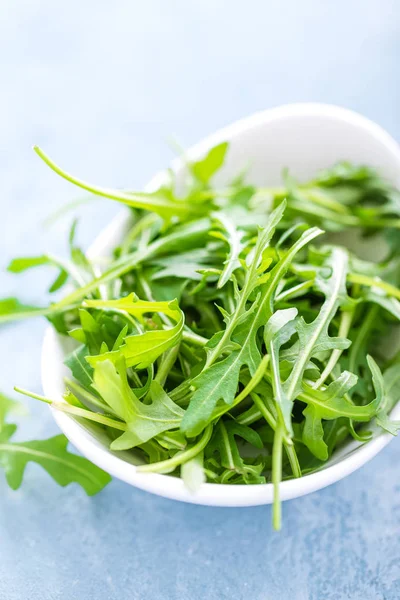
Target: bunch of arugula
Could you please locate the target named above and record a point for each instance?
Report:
(228, 338)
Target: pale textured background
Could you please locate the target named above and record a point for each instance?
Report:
(101, 85)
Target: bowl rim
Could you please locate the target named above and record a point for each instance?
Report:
(211, 493)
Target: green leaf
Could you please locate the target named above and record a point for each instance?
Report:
(392, 305)
(59, 281)
(144, 421)
(387, 389)
(234, 238)
(313, 433)
(143, 349)
(18, 265)
(314, 337)
(205, 168)
(53, 456)
(185, 265)
(391, 378)
(392, 427)
(332, 403)
(80, 369)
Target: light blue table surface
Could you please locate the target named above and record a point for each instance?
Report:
(101, 86)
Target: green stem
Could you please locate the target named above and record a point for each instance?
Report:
(180, 391)
(155, 203)
(344, 328)
(277, 476)
(250, 416)
(390, 289)
(166, 466)
(167, 363)
(294, 291)
(263, 410)
(322, 199)
(215, 353)
(75, 410)
(90, 416)
(79, 390)
(289, 447)
(324, 213)
(193, 338)
(35, 312)
(164, 437)
(33, 395)
(144, 223)
(361, 335)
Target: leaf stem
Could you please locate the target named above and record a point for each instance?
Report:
(75, 410)
(344, 328)
(193, 338)
(166, 365)
(362, 333)
(294, 291)
(33, 395)
(166, 466)
(34, 312)
(390, 289)
(287, 442)
(277, 476)
(159, 204)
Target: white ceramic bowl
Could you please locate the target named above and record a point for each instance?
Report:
(304, 137)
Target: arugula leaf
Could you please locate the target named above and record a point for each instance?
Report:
(141, 350)
(81, 370)
(18, 265)
(332, 403)
(387, 387)
(144, 421)
(205, 168)
(233, 237)
(52, 455)
(314, 337)
(185, 265)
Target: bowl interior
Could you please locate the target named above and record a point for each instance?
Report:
(304, 138)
